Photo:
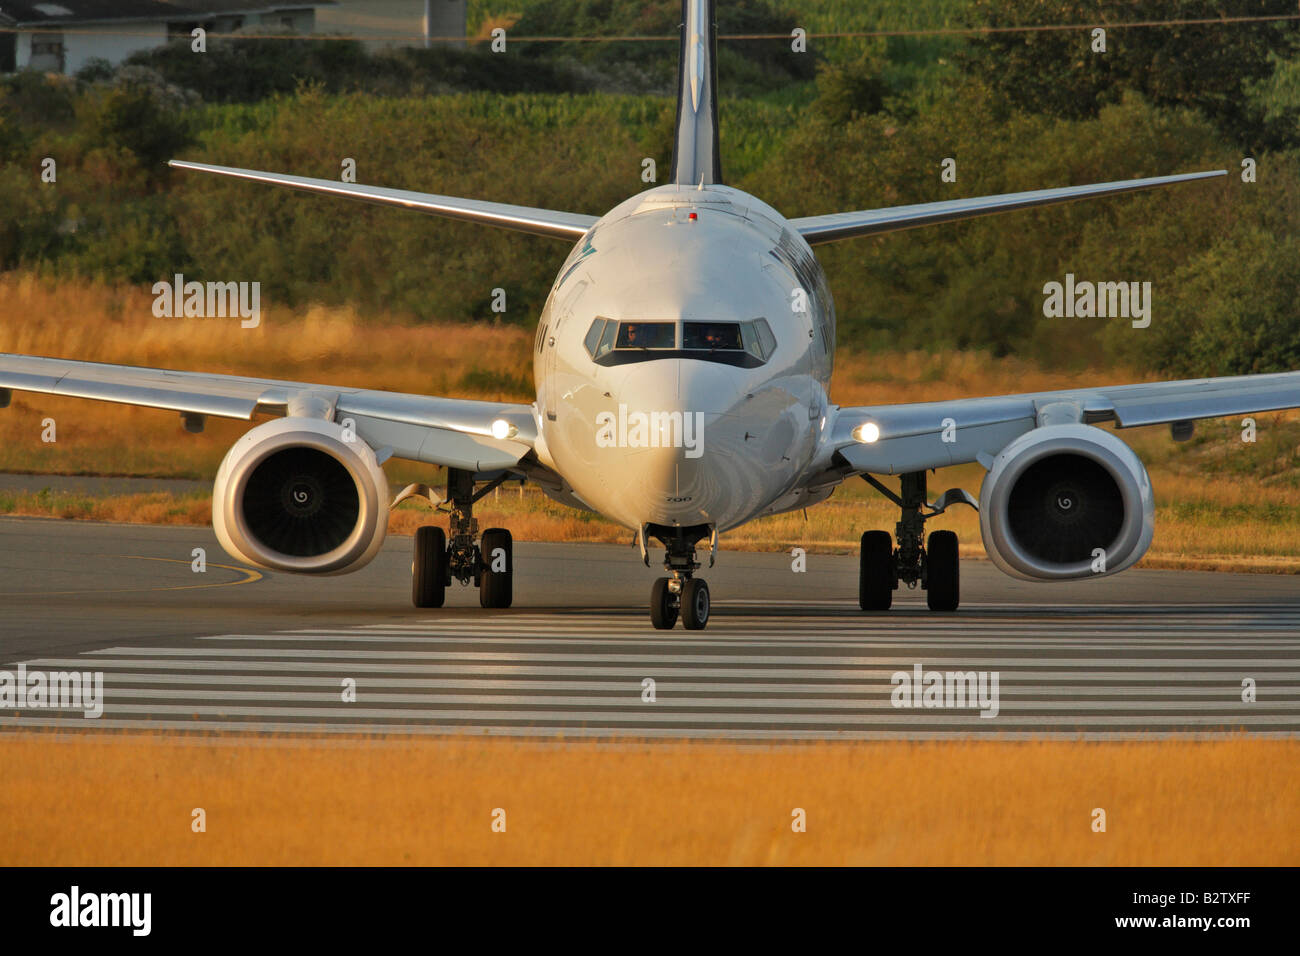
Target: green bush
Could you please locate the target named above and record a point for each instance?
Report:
(136, 112)
(1208, 66)
(247, 70)
(1232, 309)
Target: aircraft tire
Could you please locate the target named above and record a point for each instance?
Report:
(429, 567)
(496, 587)
(695, 604)
(663, 612)
(943, 575)
(876, 573)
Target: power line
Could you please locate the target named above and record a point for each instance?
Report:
(665, 38)
(1040, 28)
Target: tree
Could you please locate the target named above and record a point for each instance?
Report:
(1232, 310)
(1206, 66)
(137, 112)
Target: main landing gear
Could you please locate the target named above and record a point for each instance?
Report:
(489, 562)
(934, 566)
(682, 595)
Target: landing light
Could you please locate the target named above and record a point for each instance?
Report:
(502, 429)
(866, 433)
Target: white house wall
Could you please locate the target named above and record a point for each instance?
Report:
(381, 23)
(115, 42)
(112, 43)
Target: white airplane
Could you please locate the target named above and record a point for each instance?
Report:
(682, 362)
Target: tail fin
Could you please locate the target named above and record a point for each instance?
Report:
(696, 158)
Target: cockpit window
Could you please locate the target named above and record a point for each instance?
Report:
(753, 337)
(711, 336)
(758, 335)
(593, 336)
(647, 335)
(607, 339)
(600, 337)
(743, 344)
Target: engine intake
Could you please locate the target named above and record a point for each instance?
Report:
(1057, 494)
(301, 495)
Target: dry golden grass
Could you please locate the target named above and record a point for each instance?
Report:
(118, 799)
(1205, 518)
(116, 324)
(330, 346)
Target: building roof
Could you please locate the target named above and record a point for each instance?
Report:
(54, 12)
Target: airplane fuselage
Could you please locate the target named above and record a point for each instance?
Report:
(682, 361)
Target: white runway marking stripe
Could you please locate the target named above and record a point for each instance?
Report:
(273, 653)
(1108, 674)
(679, 684)
(890, 716)
(666, 701)
(501, 637)
(543, 730)
(857, 626)
(672, 668)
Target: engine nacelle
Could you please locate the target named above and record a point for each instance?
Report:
(301, 495)
(1058, 493)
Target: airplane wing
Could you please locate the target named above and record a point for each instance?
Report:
(444, 431)
(926, 435)
(870, 222)
(538, 222)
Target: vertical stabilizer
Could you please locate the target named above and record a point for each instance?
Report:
(695, 144)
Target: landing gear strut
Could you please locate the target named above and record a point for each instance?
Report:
(683, 594)
(489, 564)
(933, 566)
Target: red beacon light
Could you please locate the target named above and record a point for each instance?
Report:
(692, 217)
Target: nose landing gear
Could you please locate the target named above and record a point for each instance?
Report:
(682, 595)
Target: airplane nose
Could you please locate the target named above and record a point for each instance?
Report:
(677, 404)
(709, 387)
(673, 483)
(681, 385)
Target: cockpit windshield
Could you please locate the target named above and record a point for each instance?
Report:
(744, 344)
(711, 335)
(647, 335)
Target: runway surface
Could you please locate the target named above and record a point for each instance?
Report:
(786, 656)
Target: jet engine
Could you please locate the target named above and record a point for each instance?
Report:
(1066, 501)
(302, 495)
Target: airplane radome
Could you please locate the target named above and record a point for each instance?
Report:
(682, 363)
